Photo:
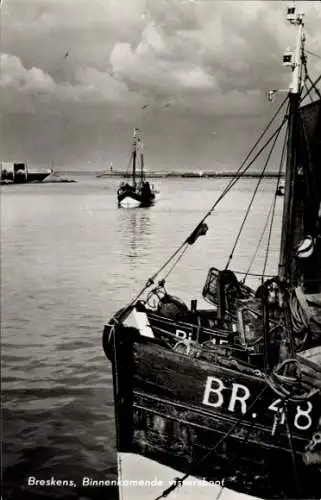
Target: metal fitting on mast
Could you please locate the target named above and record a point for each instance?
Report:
(293, 59)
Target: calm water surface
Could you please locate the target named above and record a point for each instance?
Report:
(69, 259)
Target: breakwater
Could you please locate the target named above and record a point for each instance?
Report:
(187, 174)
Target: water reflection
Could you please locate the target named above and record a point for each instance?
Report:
(58, 415)
(135, 233)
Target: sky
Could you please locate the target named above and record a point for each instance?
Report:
(77, 76)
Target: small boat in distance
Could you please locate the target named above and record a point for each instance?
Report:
(233, 391)
(138, 193)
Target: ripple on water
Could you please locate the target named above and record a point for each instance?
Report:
(71, 260)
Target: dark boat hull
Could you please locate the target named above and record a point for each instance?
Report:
(176, 410)
(132, 198)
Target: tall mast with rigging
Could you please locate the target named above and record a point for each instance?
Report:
(141, 144)
(295, 61)
(134, 155)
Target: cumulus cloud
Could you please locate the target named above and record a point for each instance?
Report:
(195, 49)
(15, 75)
(206, 57)
(91, 84)
(157, 47)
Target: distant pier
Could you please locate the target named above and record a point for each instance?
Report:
(191, 174)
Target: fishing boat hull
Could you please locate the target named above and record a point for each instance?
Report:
(138, 193)
(176, 410)
(128, 202)
(129, 197)
(236, 395)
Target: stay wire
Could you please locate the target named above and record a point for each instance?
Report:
(274, 203)
(226, 190)
(243, 443)
(229, 186)
(239, 172)
(175, 263)
(313, 54)
(307, 77)
(313, 87)
(212, 451)
(310, 96)
(293, 455)
(252, 199)
(248, 273)
(231, 183)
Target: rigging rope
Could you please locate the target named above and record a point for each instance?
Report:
(275, 382)
(244, 441)
(294, 463)
(313, 87)
(229, 186)
(306, 88)
(179, 482)
(247, 273)
(274, 203)
(175, 263)
(225, 191)
(252, 199)
(313, 54)
(307, 77)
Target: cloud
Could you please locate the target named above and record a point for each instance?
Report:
(156, 48)
(91, 85)
(15, 75)
(206, 57)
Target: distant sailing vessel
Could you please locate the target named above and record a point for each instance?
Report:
(234, 391)
(19, 173)
(138, 193)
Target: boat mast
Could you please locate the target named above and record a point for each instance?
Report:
(293, 60)
(134, 155)
(141, 160)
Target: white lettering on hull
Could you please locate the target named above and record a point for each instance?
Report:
(188, 335)
(235, 400)
(210, 390)
(182, 335)
(241, 394)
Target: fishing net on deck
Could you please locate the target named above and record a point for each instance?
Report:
(224, 290)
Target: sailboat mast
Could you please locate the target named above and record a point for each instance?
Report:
(285, 271)
(134, 155)
(141, 161)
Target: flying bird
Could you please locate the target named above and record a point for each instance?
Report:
(145, 106)
(66, 54)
